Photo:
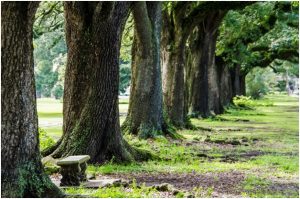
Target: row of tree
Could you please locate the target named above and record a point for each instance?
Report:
(175, 72)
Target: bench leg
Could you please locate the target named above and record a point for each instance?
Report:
(70, 175)
(82, 175)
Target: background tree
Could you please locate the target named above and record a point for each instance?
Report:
(204, 96)
(90, 110)
(50, 49)
(145, 113)
(21, 169)
(268, 33)
(180, 19)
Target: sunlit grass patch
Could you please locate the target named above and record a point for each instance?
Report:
(257, 187)
(54, 131)
(132, 191)
(284, 163)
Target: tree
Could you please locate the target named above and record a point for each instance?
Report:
(269, 32)
(174, 35)
(239, 29)
(145, 113)
(204, 75)
(90, 110)
(180, 19)
(205, 94)
(50, 48)
(21, 169)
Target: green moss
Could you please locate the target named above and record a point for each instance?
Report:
(33, 183)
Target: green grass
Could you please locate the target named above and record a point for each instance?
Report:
(133, 191)
(272, 131)
(257, 187)
(50, 111)
(49, 108)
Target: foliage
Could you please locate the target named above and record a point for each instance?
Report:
(48, 18)
(125, 77)
(50, 49)
(242, 27)
(58, 91)
(259, 82)
(127, 39)
(260, 35)
(45, 140)
(243, 101)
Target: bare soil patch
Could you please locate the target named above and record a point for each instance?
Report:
(222, 183)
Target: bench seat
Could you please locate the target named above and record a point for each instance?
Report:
(73, 169)
(76, 159)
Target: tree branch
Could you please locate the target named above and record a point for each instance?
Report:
(142, 24)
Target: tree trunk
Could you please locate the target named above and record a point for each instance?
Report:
(173, 61)
(205, 94)
(243, 84)
(238, 81)
(21, 169)
(145, 113)
(225, 85)
(95, 129)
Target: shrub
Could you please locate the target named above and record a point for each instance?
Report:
(45, 140)
(243, 101)
(58, 91)
(259, 82)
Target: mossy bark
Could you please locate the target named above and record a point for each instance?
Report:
(204, 96)
(173, 61)
(91, 113)
(145, 113)
(22, 173)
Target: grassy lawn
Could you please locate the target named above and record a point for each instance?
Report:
(50, 115)
(241, 153)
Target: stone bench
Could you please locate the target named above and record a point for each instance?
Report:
(73, 170)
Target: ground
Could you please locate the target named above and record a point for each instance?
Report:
(241, 153)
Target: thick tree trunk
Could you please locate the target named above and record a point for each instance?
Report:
(145, 113)
(95, 130)
(225, 85)
(205, 94)
(195, 99)
(173, 61)
(21, 169)
(174, 93)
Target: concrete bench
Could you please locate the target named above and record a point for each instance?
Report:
(73, 169)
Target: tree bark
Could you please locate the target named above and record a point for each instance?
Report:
(205, 94)
(145, 113)
(92, 104)
(173, 61)
(22, 173)
(225, 85)
(238, 81)
(181, 21)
